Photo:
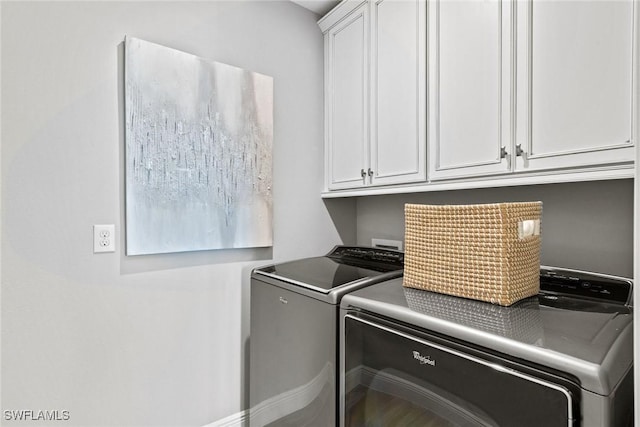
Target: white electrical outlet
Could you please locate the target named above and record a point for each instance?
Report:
(104, 238)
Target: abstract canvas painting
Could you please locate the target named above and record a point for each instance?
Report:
(199, 140)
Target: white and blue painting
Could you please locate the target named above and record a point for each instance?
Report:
(199, 140)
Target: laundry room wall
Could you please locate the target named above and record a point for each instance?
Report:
(147, 340)
(585, 225)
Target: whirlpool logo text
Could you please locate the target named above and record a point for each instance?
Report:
(424, 360)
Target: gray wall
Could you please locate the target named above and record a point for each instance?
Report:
(149, 340)
(586, 225)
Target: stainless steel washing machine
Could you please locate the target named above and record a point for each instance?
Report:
(294, 327)
(562, 358)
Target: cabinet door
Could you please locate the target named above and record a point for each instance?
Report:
(347, 99)
(470, 86)
(575, 86)
(398, 90)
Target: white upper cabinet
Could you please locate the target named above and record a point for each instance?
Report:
(575, 83)
(347, 95)
(470, 88)
(375, 93)
(529, 86)
(398, 91)
(485, 93)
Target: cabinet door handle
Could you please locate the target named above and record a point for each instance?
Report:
(521, 153)
(504, 154)
(363, 174)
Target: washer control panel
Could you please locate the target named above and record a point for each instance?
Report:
(585, 284)
(376, 255)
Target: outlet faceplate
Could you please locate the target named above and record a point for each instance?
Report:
(104, 237)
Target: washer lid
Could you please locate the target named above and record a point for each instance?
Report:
(321, 274)
(342, 266)
(592, 341)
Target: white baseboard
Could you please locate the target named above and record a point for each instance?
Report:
(240, 419)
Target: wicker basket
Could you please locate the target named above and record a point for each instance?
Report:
(484, 252)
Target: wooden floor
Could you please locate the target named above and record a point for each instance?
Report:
(370, 408)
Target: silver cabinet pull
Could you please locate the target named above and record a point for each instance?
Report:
(284, 300)
(504, 154)
(363, 174)
(521, 153)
